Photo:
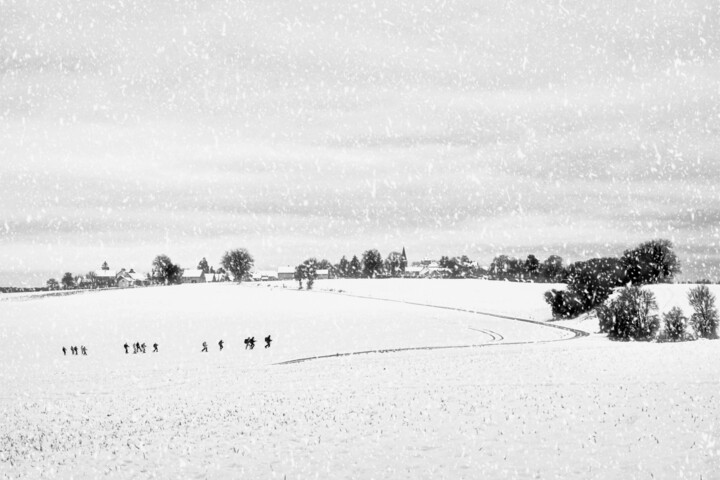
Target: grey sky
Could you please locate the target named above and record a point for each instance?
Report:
(306, 128)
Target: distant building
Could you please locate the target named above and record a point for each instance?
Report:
(323, 274)
(413, 272)
(286, 273)
(193, 276)
(130, 279)
(427, 269)
(105, 278)
(265, 275)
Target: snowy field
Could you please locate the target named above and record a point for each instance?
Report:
(520, 400)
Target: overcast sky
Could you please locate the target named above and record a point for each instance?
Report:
(307, 128)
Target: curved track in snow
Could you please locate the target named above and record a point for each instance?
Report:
(495, 337)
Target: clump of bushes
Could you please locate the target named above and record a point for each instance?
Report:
(564, 303)
(590, 283)
(632, 315)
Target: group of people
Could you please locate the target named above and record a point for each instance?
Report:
(74, 350)
(249, 343)
(139, 347)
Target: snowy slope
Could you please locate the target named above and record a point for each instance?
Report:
(585, 408)
(524, 300)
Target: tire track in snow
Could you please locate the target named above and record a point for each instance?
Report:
(576, 333)
(493, 335)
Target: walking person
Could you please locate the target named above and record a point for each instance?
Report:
(126, 346)
(142, 347)
(221, 343)
(84, 350)
(155, 346)
(268, 340)
(64, 351)
(74, 350)
(135, 348)
(252, 342)
(204, 349)
(247, 343)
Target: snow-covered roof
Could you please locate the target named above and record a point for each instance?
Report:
(192, 273)
(414, 269)
(267, 273)
(323, 271)
(286, 269)
(105, 273)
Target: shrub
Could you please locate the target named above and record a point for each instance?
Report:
(630, 315)
(705, 318)
(606, 318)
(593, 281)
(564, 303)
(675, 324)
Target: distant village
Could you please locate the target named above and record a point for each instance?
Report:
(237, 265)
(369, 265)
(106, 277)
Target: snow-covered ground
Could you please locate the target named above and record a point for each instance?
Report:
(575, 408)
(504, 298)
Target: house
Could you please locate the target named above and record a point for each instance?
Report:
(193, 276)
(322, 274)
(435, 272)
(131, 279)
(413, 272)
(286, 273)
(105, 278)
(265, 275)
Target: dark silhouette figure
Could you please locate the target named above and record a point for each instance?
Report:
(126, 346)
(142, 347)
(64, 351)
(155, 350)
(268, 340)
(247, 343)
(221, 343)
(84, 350)
(135, 348)
(252, 342)
(75, 350)
(204, 349)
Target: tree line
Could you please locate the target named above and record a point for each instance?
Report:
(589, 282)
